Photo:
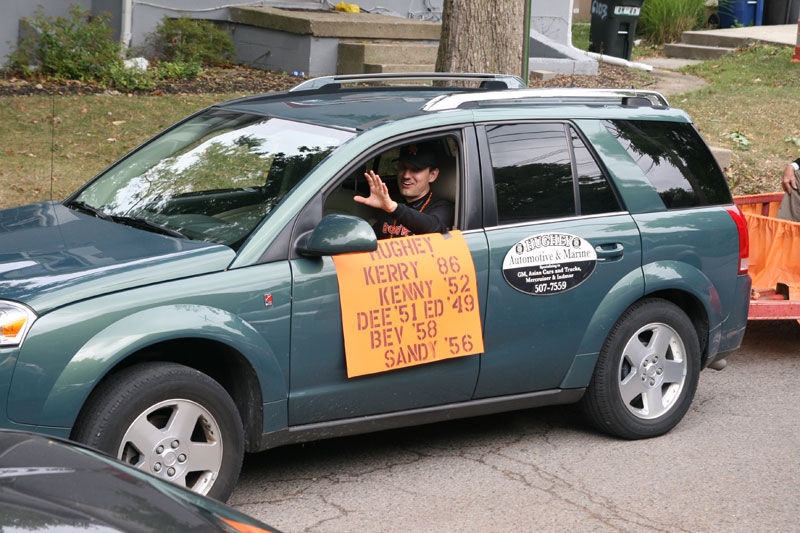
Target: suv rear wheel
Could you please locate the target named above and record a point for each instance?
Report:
(171, 421)
(647, 372)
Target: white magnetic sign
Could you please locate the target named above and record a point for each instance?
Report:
(549, 263)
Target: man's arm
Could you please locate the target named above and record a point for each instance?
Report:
(436, 218)
(789, 181)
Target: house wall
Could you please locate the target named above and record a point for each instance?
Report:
(14, 10)
(147, 15)
(271, 49)
(276, 50)
(114, 9)
(413, 9)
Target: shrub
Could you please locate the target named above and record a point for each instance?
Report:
(663, 21)
(76, 47)
(134, 79)
(131, 79)
(191, 40)
(178, 70)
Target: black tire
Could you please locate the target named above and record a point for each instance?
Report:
(647, 372)
(128, 416)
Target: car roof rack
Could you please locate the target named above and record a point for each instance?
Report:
(627, 97)
(488, 81)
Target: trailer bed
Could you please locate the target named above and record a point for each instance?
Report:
(774, 259)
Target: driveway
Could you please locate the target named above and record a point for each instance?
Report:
(732, 464)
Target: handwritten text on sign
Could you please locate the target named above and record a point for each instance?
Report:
(414, 300)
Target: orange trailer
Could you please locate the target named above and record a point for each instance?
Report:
(774, 258)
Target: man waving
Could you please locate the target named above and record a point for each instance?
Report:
(421, 211)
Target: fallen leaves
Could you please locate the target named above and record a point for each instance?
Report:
(213, 80)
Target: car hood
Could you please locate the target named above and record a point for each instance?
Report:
(51, 256)
(51, 485)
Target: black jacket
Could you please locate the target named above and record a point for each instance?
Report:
(429, 214)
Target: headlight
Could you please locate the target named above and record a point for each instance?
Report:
(15, 321)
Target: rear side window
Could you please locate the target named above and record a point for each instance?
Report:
(545, 171)
(675, 160)
(532, 172)
(595, 193)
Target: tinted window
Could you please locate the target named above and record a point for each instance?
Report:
(532, 172)
(675, 160)
(595, 192)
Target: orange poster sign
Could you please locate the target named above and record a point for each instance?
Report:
(412, 301)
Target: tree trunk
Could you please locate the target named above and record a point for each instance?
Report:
(481, 36)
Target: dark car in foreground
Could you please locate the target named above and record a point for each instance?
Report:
(219, 291)
(48, 484)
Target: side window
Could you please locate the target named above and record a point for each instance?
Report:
(532, 172)
(595, 192)
(534, 175)
(675, 160)
(385, 163)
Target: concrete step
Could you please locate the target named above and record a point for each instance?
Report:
(780, 35)
(390, 51)
(722, 155)
(692, 51)
(335, 24)
(705, 38)
(355, 55)
(378, 68)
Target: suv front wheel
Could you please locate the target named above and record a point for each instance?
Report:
(171, 421)
(647, 372)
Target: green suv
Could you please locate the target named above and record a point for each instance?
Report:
(184, 306)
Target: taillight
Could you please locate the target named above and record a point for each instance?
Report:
(744, 241)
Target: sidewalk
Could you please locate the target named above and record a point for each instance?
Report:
(675, 83)
(778, 35)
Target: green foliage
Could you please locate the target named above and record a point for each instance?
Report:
(131, 79)
(76, 47)
(134, 79)
(191, 40)
(178, 70)
(580, 35)
(739, 139)
(663, 21)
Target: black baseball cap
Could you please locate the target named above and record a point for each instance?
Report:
(421, 155)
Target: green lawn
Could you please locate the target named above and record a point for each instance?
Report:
(751, 107)
(90, 133)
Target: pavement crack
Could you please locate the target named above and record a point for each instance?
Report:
(559, 488)
(342, 513)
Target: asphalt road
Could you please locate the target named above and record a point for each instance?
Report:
(732, 464)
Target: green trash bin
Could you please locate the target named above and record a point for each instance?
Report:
(614, 26)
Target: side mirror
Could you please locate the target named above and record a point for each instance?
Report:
(339, 234)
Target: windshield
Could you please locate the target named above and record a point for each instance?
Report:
(212, 178)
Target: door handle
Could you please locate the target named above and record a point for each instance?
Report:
(608, 251)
